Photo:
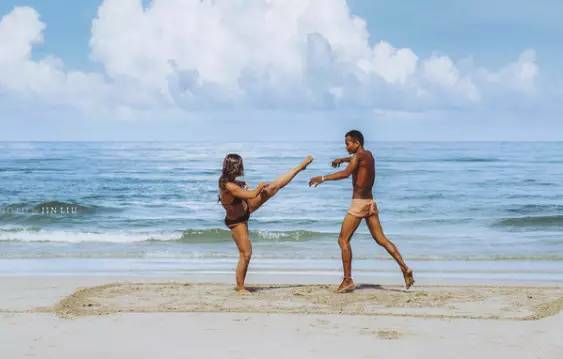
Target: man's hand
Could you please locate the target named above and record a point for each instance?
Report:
(315, 181)
(337, 162)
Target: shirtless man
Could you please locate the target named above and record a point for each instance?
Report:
(362, 168)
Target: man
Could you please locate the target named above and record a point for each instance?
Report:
(362, 168)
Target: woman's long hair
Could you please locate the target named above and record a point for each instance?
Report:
(232, 168)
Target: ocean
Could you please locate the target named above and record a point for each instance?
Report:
(490, 211)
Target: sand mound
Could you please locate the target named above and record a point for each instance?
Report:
(516, 303)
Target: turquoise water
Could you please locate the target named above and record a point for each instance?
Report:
(455, 210)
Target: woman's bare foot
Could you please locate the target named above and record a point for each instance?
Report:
(346, 286)
(306, 162)
(242, 290)
(409, 278)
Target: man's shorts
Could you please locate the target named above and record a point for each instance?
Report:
(363, 207)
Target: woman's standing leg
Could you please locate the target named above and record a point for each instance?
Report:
(240, 236)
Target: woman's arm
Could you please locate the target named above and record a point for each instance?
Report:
(237, 191)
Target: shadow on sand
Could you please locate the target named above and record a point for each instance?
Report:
(323, 286)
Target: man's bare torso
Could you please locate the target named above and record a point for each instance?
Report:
(363, 177)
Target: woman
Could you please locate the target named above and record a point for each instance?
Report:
(239, 202)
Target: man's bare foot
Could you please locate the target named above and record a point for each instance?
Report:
(306, 162)
(409, 278)
(242, 290)
(346, 286)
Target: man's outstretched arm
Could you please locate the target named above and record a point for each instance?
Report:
(345, 173)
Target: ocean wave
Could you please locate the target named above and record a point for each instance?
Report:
(45, 250)
(60, 236)
(537, 182)
(536, 208)
(424, 195)
(449, 159)
(539, 222)
(212, 235)
(219, 235)
(54, 207)
(471, 159)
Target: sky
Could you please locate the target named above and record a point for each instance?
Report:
(184, 70)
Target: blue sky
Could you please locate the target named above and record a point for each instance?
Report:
(491, 31)
(446, 71)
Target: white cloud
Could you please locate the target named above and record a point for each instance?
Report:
(202, 55)
(18, 32)
(44, 79)
(393, 65)
(520, 75)
(441, 71)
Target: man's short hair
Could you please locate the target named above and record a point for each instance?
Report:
(356, 135)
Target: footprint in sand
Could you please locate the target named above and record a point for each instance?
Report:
(389, 334)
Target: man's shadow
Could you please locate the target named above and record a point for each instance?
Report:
(379, 287)
(273, 287)
(324, 286)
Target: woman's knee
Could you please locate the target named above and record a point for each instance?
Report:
(246, 254)
(343, 242)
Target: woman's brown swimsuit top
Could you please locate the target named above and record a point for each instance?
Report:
(237, 210)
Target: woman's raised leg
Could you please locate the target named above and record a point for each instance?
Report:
(277, 184)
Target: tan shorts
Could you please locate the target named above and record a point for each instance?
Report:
(363, 208)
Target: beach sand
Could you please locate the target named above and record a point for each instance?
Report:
(470, 302)
(91, 317)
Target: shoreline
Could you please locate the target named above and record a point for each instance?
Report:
(292, 270)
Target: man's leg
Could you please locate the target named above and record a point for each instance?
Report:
(349, 226)
(377, 233)
(277, 184)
